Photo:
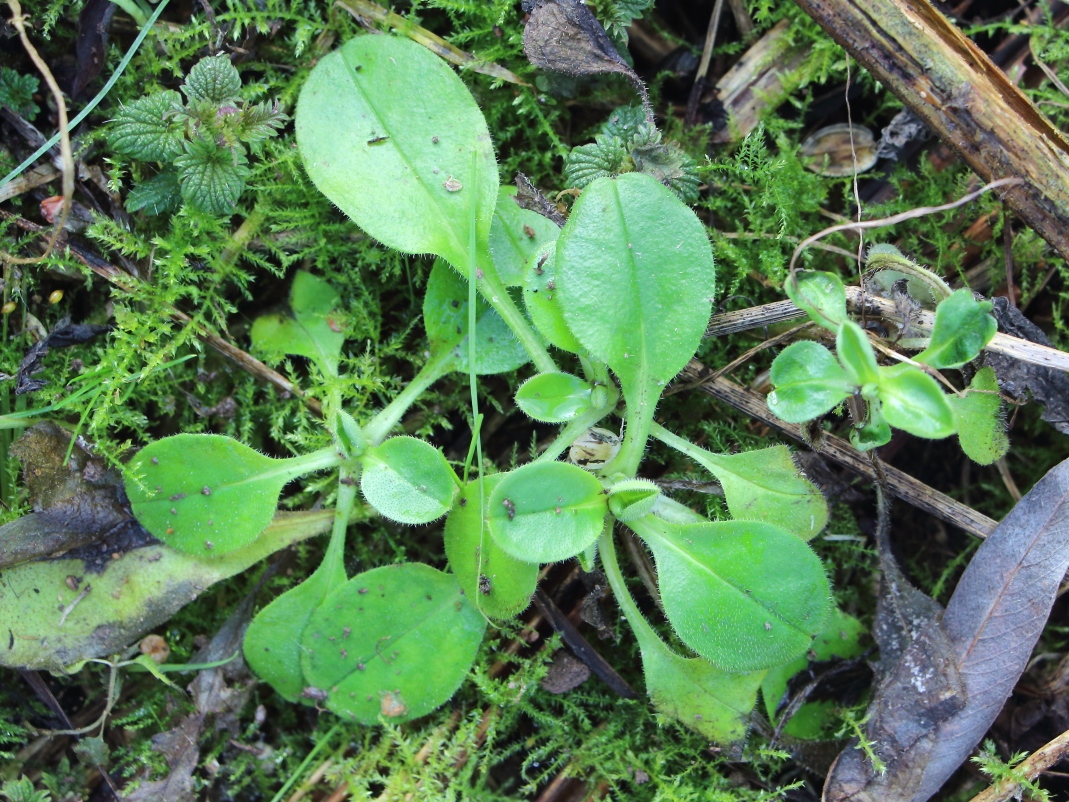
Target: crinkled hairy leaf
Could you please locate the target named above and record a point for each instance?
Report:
(554, 397)
(408, 480)
(635, 275)
(542, 299)
(978, 420)
(702, 697)
(605, 157)
(158, 195)
(386, 131)
(272, 643)
(820, 295)
(150, 129)
(911, 400)
(142, 589)
(808, 382)
(515, 234)
(205, 494)
(547, 511)
(394, 642)
(213, 79)
(314, 328)
(212, 177)
(445, 315)
(498, 583)
(743, 595)
(963, 326)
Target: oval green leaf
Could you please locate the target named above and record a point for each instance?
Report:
(386, 131)
(272, 645)
(873, 433)
(911, 400)
(554, 397)
(205, 494)
(515, 235)
(500, 585)
(408, 480)
(808, 382)
(978, 419)
(963, 326)
(445, 315)
(542, 300)
(314, 327)
(702, 697)
(394, 642)
(820, 295)
(765, 485)
(547, 511)
(743, 595)
(856, 354)
(635, 275)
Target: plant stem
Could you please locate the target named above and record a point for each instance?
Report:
(310, 463)
(572, 430)
(637, 420)
(495, 293)
(643, 631)
(333, 559)
(433, 369)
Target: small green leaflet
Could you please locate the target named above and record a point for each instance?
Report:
(314, 328)
(963, 326)
(498, 583)
(544, 512)
(808, 382)
(445, 315)
(820, 295)
(408, 480)
(542, 300)
(554, 397)
(978, 420)
(912, 401)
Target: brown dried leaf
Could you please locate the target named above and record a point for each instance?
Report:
(179, 749)
(76, 502)
(950, 683)
(1048, 386)
(565, 36)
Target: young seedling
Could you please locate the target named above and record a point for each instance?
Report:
(624, 292)
(809, 381)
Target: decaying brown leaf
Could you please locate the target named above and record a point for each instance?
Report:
(950, 682)
(565, 36)
(76, 502)
(1048, 386)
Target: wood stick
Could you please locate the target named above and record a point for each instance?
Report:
(904, 486)
(963, 97)
(1038, 762)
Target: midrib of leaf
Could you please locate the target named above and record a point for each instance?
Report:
(392, 143)
(996, 603)
(754, 600)
(327, 362)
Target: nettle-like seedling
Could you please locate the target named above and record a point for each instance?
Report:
(199, 142)
(623, 292)
(809, 381)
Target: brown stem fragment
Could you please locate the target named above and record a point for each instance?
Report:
(1038, 762)
(962, 96)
